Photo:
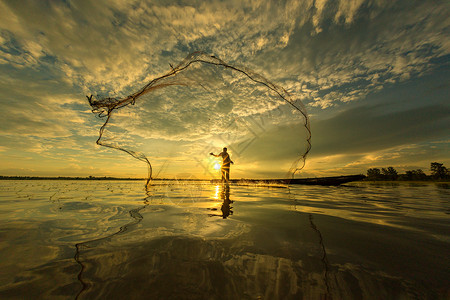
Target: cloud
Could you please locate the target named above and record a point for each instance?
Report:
(403, 158)
(326, 53)
(112, 47)
(32, 111)
(383, 44)
(368, 128)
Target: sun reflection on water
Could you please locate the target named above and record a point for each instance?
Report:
(216, 192)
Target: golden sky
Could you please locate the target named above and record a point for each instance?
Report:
(373, 76)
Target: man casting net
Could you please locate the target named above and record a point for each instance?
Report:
(201, 104)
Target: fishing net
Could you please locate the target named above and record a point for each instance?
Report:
(200, 106)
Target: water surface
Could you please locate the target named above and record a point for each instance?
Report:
(109, 239)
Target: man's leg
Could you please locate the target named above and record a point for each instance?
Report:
(222, 170)
(225, 174)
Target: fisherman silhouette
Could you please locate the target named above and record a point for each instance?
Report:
(226, 207)
(226, 161)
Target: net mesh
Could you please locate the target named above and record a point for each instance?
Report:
(200, 106)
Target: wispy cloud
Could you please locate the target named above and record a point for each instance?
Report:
(108, 47)
(327, 53)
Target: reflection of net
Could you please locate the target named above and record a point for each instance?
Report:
(239, 105)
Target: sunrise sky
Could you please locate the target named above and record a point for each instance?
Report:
(373, 76)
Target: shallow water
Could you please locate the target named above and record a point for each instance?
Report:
(110, 240)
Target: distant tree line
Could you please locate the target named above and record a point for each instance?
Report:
(438, 172)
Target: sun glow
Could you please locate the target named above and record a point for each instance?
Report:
(216, 166)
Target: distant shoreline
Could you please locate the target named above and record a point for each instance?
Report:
(191, 179)
(65, 178)
(88, 178)
(407, 180)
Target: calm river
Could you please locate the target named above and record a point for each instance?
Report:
(110, 240)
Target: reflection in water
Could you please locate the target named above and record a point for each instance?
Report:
(224, 193)
(190, 268)
(137, 218)
(324, 256)
(351, 242)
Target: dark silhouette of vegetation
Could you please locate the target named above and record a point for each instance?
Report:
(374, 174)
(438, 172)
(389, 173)
(415, 175)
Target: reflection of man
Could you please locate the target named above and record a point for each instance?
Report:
(226, 205)
(226, 161)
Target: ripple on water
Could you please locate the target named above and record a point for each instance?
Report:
(205, 240)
